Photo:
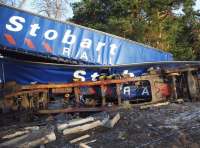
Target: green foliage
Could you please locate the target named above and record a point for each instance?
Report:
(151, 22)
(182, 52)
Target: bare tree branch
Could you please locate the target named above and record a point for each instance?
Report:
(21, 3)
(16, 3)
(53, 8)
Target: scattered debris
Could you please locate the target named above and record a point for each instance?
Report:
(13, 142)
(40, 140)
(122, 135)
(166, 126)
(19, 133)
(31, 138)
(178, 101)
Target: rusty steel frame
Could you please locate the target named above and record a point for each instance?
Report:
(26, 89)
(154, 79)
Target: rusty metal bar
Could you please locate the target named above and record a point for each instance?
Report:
(74, 84)
(90, 83)
(119, 99)
(183, 69)
(175, 96)
(77, 95)
(25, 92)
(76, 109)
(103, 94)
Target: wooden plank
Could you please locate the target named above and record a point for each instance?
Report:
(91, 141)
(83, 145)
(74, 123)
(32, 128)
(82, 128)
(79, 139)
(12, 142)
(40, 140)
(154, 105)
(111, 123)
(17, 133)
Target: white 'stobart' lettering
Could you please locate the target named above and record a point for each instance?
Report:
(86, 43)
(16, 24)
(34, 28)
(127, 90)
(69, 38)
(51, 34)
(79, 74)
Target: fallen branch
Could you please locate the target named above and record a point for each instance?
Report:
(82, 128)
(79, 139)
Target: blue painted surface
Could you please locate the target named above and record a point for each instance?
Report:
(27, 72)
(70, 40)
(135, 92)
(31, 72)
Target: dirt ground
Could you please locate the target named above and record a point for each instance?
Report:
(173, 125)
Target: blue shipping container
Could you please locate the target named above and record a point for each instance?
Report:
(34, 33)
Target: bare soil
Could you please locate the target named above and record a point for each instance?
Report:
(173, 125)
